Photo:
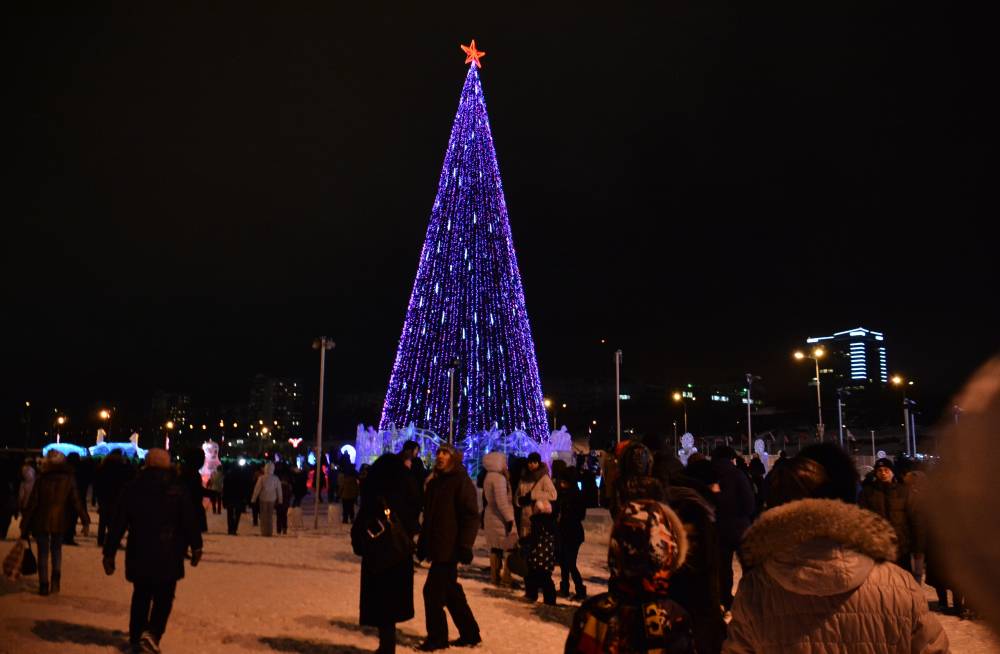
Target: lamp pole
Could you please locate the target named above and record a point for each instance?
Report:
(618, 395)
(323, 344)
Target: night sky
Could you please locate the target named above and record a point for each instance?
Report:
(198, 193)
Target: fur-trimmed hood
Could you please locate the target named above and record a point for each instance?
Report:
(818, 547)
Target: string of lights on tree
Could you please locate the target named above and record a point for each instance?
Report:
(467, 300)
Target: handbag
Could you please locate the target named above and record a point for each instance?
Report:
(517, 564)
(385, 542)
(525, 500)
(29, 565)
(12, 562)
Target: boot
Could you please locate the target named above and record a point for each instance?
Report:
(495, 564)
(581, 593)
(54, 588)
(564, 589)
(43, 588)
(506, 579)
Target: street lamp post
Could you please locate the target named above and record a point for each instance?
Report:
(618, 395)
(323, 344)
(452, 367)
(751, 378)
(168, 427)
(816, 355)
(27, 423)
(679, 397)
(60, 421)
(897, 380)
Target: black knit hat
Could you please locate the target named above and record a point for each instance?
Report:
(535, 456)
(884, 463)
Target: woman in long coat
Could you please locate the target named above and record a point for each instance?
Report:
(386, 593)
(498, 516)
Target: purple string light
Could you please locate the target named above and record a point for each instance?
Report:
(467, 301)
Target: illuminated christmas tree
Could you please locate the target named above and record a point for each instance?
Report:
(467, 302)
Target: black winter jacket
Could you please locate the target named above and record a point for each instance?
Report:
(451, 516)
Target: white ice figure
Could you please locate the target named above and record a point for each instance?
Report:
(101, 434)
(687, 448)
(761, 450)
(212, 461)
(562, 445)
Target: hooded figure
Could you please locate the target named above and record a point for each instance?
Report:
(498, 516)
(818, 577)
(268, 491)
(635, 480)
(647, 546)
(535, 484)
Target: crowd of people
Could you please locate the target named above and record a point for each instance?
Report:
(830, 562)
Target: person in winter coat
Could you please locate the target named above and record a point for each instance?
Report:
(415, 466)
(159, 517)
(111, 477)
(8, 494)
(348, 490)
(190, 476)
(451, 522)
(300, 486)
(535, 485)
(636, 615)
(28, 476)
(46, 517)
(386, 587)
(572, 511)
(540, 549)
(268, 493)
(215, 485)
(255, 505)
(281, 507)
(695, 584)
(634, 478)
(498, 516)
(892, 500)
(72, 514)
(818, 577)
(235, 493)
(735, 510)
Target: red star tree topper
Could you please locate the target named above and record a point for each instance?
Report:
(472, 55)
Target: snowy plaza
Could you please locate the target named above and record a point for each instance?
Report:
(299, 593)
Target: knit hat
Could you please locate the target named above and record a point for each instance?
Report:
(648, 544)
(534, 457)
(885, 463)
(456, 454)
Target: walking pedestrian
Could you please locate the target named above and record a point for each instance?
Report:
(281, 507)
(235, 493)
(109, 481)
(572, 511)
(636, 615)
(390, 498)
(268, 493)
(892, 500)
(451, 521)
(47, 514)
(735, 511)
(158, 515)
(348, 491)
(498, 516)
(216, 484)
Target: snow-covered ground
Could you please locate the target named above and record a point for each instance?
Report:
(295, 593)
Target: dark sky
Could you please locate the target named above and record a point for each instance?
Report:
(199, 192)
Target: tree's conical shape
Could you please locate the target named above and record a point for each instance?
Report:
(467, 301)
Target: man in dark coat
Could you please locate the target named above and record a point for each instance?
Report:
(451, 522)
(733, 516)
(235, 493)
(572, 512)
(158, 514)
(891, 499)
(111, 477)
(410, 455)
(53, 502)
(386, 589)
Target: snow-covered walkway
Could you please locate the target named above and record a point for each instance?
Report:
(295, 593)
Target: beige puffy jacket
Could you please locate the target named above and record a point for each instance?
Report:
(818, 580)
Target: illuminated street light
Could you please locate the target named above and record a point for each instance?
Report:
(679, 397)
(816, 355)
